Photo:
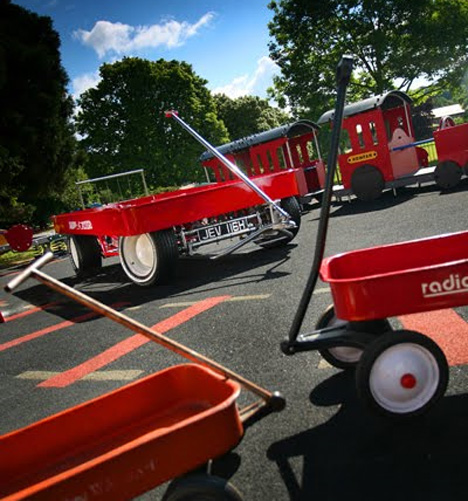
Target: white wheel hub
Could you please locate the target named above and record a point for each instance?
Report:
(346, 354)
(404, 378)
(74, 253)
(139, 255)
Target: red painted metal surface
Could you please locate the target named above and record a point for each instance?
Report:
(452, 144)
(126, 442)
(408, 277)
(157, 212)
(19, 237)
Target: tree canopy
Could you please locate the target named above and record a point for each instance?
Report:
(394, 43)
(36, 136)
(248, 115)
(124, 127)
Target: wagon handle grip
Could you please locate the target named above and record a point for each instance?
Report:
(270, 402)
(25, 274)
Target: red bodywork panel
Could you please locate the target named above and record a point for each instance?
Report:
(157, 212)
(452, 144)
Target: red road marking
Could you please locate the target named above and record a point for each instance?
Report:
(120, 349)
(52, 328)
(9, 318)
(446, 328)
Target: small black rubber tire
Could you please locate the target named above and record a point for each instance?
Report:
(201, 487)
(85, 255)
(331, 355)
(447, 175)
(293, 208)
(367, 372)
(367, 183)
(164, 254)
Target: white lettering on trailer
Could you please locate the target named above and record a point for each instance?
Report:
(80, 225)
(454, 284)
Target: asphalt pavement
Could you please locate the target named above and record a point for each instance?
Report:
(325, 444)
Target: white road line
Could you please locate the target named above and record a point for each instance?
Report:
(232, 299)
(126, 375)
(323, 364)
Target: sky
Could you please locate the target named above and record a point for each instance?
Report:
(225, 41)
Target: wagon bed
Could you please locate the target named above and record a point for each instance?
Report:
(126, 442)
(403, 278)
(166, 210)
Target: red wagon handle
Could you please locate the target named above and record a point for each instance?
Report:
(270, 402)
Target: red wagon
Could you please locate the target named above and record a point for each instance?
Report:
(135, 438)
(399, 373)
(150, 233)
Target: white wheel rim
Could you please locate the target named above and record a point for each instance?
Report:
(139, 255)
(404, 378)
(346, 354)
(74, 253)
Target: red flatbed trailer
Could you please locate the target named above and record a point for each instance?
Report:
(150, 233)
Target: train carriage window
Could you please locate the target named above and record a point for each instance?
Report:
(345, 141)
(280, 157)
(260, 165)
(310, 150)
(299, 153)
(373, 130)
(271, 162)
(360, 135)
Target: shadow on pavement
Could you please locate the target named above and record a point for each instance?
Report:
(356, 455)
(112, 287)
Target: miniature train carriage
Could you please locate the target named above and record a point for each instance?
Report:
(380, 144)
(291, 146)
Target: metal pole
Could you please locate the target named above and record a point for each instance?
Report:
(231, 166)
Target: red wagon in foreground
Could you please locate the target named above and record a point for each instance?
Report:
(399, 373)
(135, 438)
(149, 234)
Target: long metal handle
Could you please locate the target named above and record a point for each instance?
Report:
(273, 399)
(230, 165)
(343, 75)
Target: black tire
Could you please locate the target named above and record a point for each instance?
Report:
(85, 255)
(201, 488)
(292, 207)
(149, 258)
(367, 183)
(397, 386)
(447, 175)
(341, 357)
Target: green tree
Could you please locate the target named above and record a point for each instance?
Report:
(394, 42)
(123, 124)
(248, 115)
(36, 135)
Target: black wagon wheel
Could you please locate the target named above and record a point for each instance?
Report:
(402, 374)
(447, 175)
(341, 357)
(292, 207)
(149, 258)
(201, 487)
(367, 183)
(85, 254)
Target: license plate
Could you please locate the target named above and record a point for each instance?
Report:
(234, 227)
